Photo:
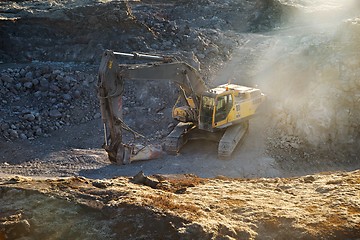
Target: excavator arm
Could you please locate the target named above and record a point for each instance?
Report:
(111, 88)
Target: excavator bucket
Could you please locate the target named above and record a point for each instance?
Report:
(140, 153)
(126, 154)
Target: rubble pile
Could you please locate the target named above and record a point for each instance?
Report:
(37, 100)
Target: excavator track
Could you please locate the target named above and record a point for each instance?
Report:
(177, 138)
(232, 137)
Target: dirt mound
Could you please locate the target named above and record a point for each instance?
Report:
(183, 207)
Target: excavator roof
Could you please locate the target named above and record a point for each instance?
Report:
(226, 87)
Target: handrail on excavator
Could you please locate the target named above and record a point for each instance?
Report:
(136, 55)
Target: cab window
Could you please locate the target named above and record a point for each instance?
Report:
(207, 108)
(223, 107)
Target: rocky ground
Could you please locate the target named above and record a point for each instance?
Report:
(302, 54)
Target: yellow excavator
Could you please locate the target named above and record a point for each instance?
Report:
(220, 114)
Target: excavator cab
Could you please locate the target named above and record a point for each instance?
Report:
(214, 111)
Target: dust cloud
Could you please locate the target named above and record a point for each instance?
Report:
(309, 73)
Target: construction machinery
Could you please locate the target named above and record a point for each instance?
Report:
(220, 114)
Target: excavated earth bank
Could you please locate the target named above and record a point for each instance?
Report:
(325, 206)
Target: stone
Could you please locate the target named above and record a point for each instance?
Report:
(35, 82)
(56, 72)
(22, 72)
(44, 83)
(13, 133)
(66, 87)
(69, 79)
(154, 46)
(85, 83)
(97, 115)
(295, 145)
(201, 56)
(309, 179)
(30, 117)
(54, 113)
(67, 97)
(60, 105)
(59, 78)
(28, 85)
(5, 126)
(6, 78)
(77, 94)
(23, 136)
(54, 88)
(37, 94)
(126, 110)
(29, 75)
(18, 86)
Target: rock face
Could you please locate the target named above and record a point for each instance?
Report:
(186, 207)
(314, 90)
